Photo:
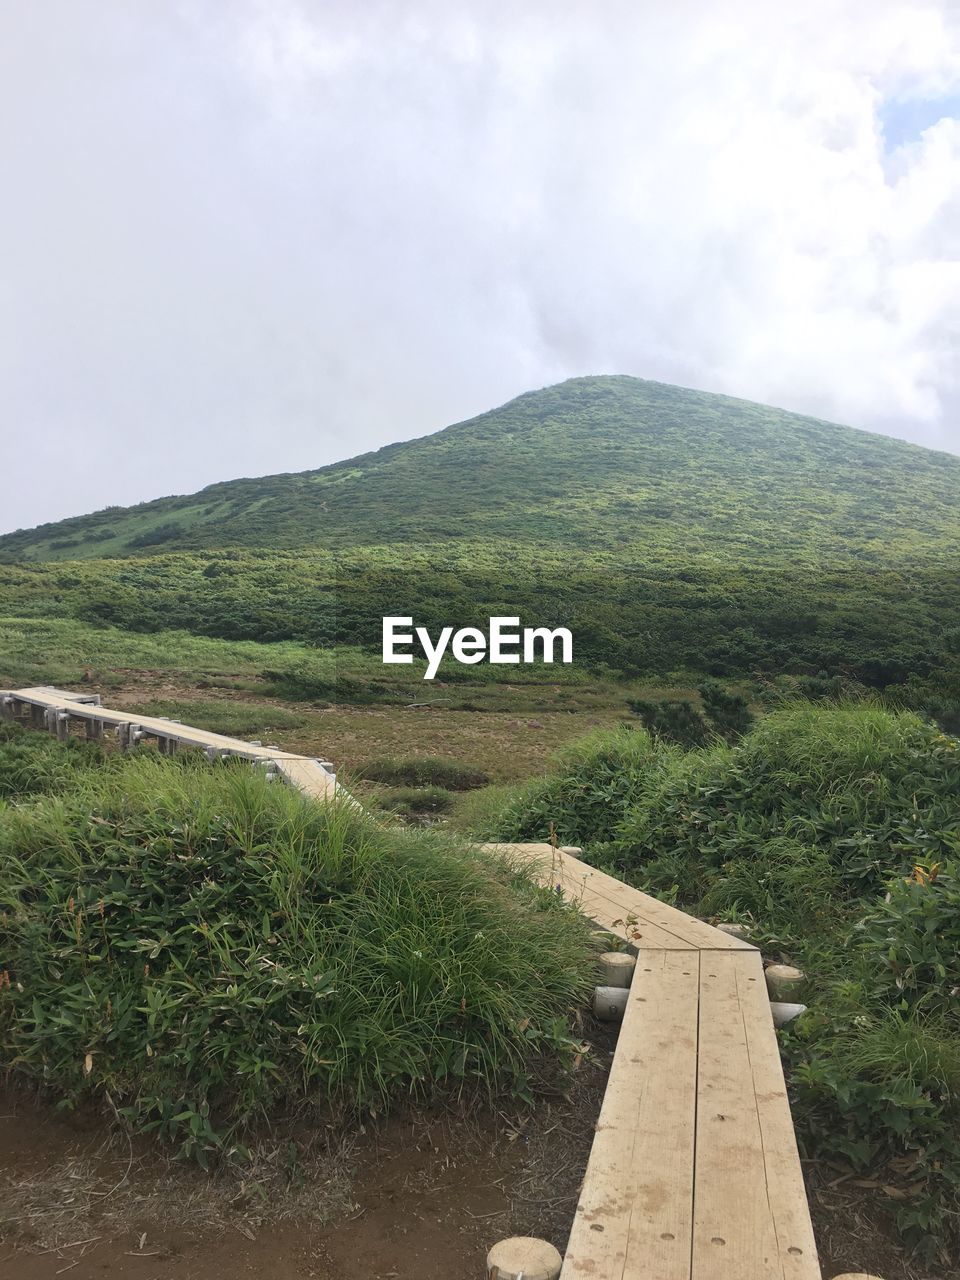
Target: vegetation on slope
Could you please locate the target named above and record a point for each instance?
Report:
(603, 463)
(878, 627)
(834, 832)
(205, 948)
(672, 531)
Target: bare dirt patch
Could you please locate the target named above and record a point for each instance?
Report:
(420, 1194)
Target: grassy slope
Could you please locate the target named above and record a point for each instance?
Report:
(603, 464)
(207, 949)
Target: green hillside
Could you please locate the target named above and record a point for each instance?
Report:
(603, 464)
(672, 530)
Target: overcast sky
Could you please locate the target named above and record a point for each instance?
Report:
(248, 237)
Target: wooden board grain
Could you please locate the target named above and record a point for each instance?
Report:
(751, 1220)
(553, 866)
(796, 1247)
(634, 1217)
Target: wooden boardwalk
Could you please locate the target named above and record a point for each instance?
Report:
(59, 711)
(694, 1172)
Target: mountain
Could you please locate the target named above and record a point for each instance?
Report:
(594, 465)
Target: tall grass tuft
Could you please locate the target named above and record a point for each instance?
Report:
(206, 947)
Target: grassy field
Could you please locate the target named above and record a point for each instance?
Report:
(508, 730)
(207, 950)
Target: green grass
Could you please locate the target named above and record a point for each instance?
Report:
(415, 803)
(57, 650)
(33, 763)
(208, 949)
(419, 771)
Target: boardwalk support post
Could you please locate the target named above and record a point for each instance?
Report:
(784, 1013)
(523, 1257)
(784, 981)
(735, 931)
(609, 1003)
(616, 968)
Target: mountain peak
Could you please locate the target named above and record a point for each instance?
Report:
(608, 464)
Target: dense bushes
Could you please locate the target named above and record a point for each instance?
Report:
(834, 829)
(914, 936)
(204, 947)
(715, 617)
(725, 714)
(873, 790)
(595, 782)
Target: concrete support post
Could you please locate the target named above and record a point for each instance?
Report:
(616, 968)
(523, 1258)
(609, 1003)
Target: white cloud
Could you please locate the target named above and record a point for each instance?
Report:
(264, 236)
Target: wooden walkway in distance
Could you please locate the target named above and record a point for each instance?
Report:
(694, 1172)
(57, 710)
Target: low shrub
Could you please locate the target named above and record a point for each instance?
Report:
(594, 782)
(206, 948)
(416, 802)
(913, 934)
(672, 720)
(423, 771)
(229, 716)
(871, 788)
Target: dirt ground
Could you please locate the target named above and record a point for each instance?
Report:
(421, 1195)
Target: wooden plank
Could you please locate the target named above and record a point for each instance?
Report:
(311, 778)
(733, 1231)
(556, 867)
(617, 919)
(155, 726)
(634, 1219)
(797, 1249)
(301, 771)
(615, 913)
